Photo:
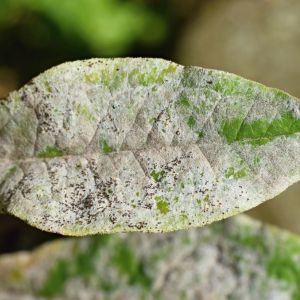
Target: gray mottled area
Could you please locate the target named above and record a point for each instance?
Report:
(235, 259)
(109, 145)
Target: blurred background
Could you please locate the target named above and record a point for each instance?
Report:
(258, 39)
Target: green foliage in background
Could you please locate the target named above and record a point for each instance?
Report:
(107, 27)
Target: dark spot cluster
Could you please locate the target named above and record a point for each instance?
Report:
(241, 194)
(108, 119)
(138, 225)
(103, 197)
(169, 171)
(24, 186)
(47, 122)
(73, 194)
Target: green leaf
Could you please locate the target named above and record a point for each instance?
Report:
(133, 144)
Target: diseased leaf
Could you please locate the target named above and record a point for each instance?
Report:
(239, 258)
(132, 144)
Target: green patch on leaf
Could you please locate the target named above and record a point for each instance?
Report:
(282, 265)
(157, 175)
(231, 85)
(279, 94)
(200, 134)
(83, 110)
(230, 129)
(81, 264)
(280, 259)
(261, 131)
(203, 200)
(92, 77)
(191, 122)
(183, 220)
(128, 264)
(50, 152)
(236, 174)
(167, 71)
(56, 280)
(183, 102)
(206, 198)
(257, 160)
(162, 205)
(247, 236)
(154, 76)
(47, 86)
(11, 171)
(105, 147)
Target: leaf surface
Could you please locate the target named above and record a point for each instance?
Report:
(240, 258)
(132, 144)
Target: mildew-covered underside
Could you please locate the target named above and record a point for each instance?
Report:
(239, 258)
(132, 144)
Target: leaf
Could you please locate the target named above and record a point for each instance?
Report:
(132, 144)
(240, 258)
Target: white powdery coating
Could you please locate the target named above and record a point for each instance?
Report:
(229, 260)
(109, 145)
